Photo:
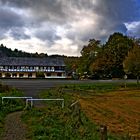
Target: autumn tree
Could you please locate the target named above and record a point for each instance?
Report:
(71, 64)
(110, 60)
(132, 61)
(88, 55)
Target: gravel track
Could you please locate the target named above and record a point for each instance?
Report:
(14, 128)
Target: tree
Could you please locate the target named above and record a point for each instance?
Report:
(88, 55)
(132, 61)
(109, 62)
(71, 64)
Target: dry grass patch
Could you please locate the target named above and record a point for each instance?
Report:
(119, 110)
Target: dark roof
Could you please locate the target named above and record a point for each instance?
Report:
(15, 61)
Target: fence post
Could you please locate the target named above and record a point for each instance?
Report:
(103, 132)
(62, 103)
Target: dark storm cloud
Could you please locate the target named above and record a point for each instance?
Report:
(112, 14)
(19, 33)
(8, 19)
(61, 11)
(79, 20)
(47, 35)
(42, 10)
(118, 10)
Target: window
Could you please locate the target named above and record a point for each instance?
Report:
(48, 74)
(48, 68)
(31, 68)
(59, 74)
(6, 67)
(52, 68)
(21, 75)
(37, 68)
(18, 67)
(15, 67)
(30, 75)
(14, 75)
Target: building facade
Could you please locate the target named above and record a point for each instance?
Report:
(15, 67)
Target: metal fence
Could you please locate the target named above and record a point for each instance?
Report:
(31, 101)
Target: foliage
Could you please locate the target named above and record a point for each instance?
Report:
(40, 75)
(70, 123)
(132, 61)
(4, 88)
(89, 54)
(109, 62)
(71, 64)
(52, 122)
(4, 51)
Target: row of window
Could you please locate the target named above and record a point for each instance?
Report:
(26, 70)
(30, 68)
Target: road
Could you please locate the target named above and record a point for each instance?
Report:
(31, 87)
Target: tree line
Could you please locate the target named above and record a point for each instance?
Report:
(7, 52)
(119, 56)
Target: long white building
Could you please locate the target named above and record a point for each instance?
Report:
(18, 67)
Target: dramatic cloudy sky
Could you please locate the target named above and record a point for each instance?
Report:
(63, 26)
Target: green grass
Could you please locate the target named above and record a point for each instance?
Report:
(99, 88)
(56, 123)
(51, 122)
(70, 123)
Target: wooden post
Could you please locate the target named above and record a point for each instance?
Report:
(125, 78)
(103, 132)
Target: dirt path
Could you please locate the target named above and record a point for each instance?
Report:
(14, 128)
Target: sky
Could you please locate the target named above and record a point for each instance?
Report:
(65, 26)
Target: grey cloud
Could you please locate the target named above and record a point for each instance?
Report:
(18, 34)
(119, 10)
(42, 10)
(9, 19)
(110, 17)
(2, 33)
(47, 33)
(47, 36)
(113, 14)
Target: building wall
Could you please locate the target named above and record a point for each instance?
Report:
(31, 75)
(32, 71)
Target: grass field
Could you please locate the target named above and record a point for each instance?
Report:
(118, 110)
(109, 104)
(100, 104)
(112, 105)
